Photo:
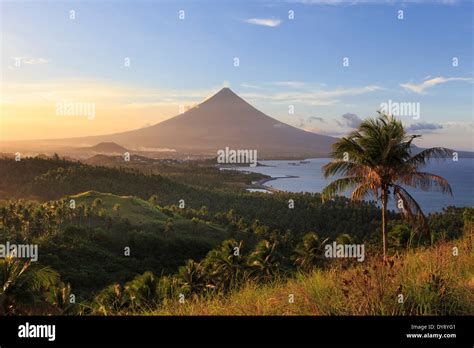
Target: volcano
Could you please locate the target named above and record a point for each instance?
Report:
(223, 120)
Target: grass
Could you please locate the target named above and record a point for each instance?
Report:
(131, 208)
(432, 281)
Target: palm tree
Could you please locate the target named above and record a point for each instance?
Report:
(377, 158)
(60, 296)
(310, 252)
(265, 260)
(226, 266)
(142, 290)
(22, 285)
(191, 277)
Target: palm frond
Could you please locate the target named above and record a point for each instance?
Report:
(341, 167)
(340, 185)
(426, 181)
(421, 158)
(362, 190)
(41, 277)
(411, 209)
(348, 145)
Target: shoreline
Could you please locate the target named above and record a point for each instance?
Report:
(260, 184)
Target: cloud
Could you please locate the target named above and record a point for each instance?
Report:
(350, 120)
(249, 85)
(306, 123)
(459, 124)
(30, 61)
(101, 92)
(266, 22)
(319, 97)
(424, 126)
(35, 61)
(315, 118)
(421, 87)
(286, 84)
(290, 84)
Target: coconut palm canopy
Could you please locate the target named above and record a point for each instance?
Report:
(377, 158)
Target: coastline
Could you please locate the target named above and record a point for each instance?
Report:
(260, 184)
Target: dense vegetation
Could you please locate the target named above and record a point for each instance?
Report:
(221, 244)
(47, 179)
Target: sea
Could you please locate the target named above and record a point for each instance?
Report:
(307, 176)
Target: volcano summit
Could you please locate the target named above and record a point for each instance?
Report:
(223, 120)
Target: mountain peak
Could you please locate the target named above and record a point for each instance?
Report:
(108, 147)
(225, 93)
(225, 120)
(225, 90)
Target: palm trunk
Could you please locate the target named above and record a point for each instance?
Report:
(384, 223)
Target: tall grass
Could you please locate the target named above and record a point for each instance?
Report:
(432, 281)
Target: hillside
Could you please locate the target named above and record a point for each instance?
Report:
(136, 210)
(432, 281)
(86, 244)
(107, 147)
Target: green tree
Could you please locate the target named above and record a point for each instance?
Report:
(142, 290)
(310, 252)
(61, 297)
(265, 260)
(226, 266)
(399, 236)
(377, 158)
(191, 277)
(23, 286)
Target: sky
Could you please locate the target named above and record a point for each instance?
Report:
(320, 65)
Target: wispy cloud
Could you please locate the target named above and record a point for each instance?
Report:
(251, 86)
(266, 22)
(35, 61)
(421, 87)
(284, 84)
(290, 84)
(99, 91)
(319, 97)
(30, 61)
(373, 2)
(424, 126)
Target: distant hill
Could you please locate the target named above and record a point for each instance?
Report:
(224, 120)
(108, 147)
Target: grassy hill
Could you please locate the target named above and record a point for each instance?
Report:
(86, 245)
(432, 281)
(136, 210)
